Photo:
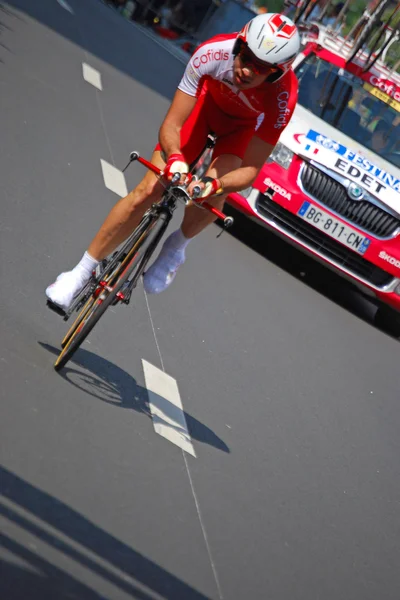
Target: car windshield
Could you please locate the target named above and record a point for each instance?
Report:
(352, 106)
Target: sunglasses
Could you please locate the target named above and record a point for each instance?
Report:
(257, 67)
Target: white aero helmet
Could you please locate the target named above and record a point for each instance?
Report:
(273, 39)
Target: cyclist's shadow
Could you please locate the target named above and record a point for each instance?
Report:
(109, 383)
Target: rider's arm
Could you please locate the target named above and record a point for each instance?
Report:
(256, 154)
(169, 134)
(197, 71)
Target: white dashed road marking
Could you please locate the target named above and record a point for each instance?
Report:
(114, 179)
(166, 407)
(67, 7)
(92, 76)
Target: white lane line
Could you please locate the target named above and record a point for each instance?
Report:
(203, 528)
(67, 7)
(92, 76)
(114, 179)
(166, 407)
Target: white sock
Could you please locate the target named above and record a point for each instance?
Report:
(86, 266)
(178, 240)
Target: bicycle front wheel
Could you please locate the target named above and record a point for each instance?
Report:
(136, 254)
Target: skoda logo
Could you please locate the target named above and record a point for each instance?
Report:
(355, 191)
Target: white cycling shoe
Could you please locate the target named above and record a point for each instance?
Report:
(66, 287)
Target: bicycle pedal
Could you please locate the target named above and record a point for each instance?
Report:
(123, 295)
(55, 308)
(127, 298)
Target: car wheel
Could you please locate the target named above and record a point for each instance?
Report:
(388, 320)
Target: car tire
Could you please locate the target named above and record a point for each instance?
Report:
(388, 320)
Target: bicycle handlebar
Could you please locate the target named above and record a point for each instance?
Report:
(228, 221)
(196, 192)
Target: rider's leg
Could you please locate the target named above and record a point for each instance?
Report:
(120, 222)
(126, 214)
(162, 272)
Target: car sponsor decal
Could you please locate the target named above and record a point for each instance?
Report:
(384, 85)
(357, 159)
(390, 259)
(354, 166)
(384, 97)
(277, 188)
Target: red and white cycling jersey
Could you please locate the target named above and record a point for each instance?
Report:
(269, 106)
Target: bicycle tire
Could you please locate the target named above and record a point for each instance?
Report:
(78, 320)
(366, 33)
(84, 325)
(381, 50)
(107, 272)
(301, 11)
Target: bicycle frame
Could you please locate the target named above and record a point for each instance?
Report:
(120, 272)
(165, 207)
(227, 221)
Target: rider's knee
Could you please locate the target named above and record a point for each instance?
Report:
(148, 190)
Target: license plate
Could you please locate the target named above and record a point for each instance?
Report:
(334, 228)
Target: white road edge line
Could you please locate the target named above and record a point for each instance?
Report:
(114, 179)
(203, 529)
(166, 407)
(92, 76)
(67, 7)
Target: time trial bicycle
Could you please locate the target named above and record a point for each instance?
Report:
(117, 276)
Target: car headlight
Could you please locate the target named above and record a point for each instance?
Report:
(246, 192)
(281, 155)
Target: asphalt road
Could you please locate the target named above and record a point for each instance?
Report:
(290, 394)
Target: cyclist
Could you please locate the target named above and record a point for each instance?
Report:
(241, 87)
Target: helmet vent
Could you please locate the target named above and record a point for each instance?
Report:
(261, 30)
(283, 46)
(281, 26)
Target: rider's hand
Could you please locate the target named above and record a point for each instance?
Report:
(176, 164)
(209, 187)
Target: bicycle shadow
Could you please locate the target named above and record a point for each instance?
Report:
(109, 383)
(83, 559)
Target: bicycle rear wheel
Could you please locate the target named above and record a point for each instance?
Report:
(129, 263)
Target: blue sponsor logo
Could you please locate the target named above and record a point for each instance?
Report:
(326, 142)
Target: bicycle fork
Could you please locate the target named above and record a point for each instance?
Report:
(165, 214)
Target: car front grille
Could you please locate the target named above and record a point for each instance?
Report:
(362, 213)
(324, 245)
